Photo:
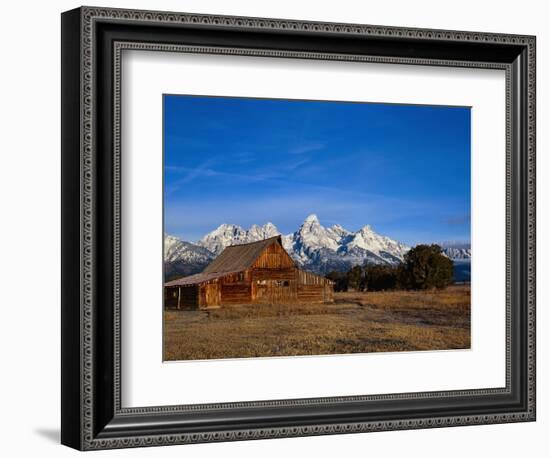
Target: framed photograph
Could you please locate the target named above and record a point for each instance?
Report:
(278, 228)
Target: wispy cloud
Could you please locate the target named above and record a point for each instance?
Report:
(247, 161)
(245, 157)
(287, 208)
(293, 165)
(280, 174)
(307, 148)
(203, 171)
(189, 174)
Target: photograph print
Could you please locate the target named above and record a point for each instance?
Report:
(307, 227)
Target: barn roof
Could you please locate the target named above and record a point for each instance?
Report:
(236, 258)
(196, 279)
(233, 259)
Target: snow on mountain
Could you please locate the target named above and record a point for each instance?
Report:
(311, 237)
(313, 246)
(458, 253)
(262, 232)
(380, 249)
(175, 249)
(461, 255)
(184, 258)
(335, 248)
(457, 250)
(232, 234)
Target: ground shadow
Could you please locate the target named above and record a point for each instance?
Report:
(51, 434)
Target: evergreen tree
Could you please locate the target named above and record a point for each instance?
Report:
(356, 278)
(426, 267)
(380, 277)
(340, 280)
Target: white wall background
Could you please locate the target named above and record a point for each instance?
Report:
(30, 240)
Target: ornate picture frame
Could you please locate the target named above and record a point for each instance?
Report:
(93, 416)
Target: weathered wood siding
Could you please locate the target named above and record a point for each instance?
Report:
(236, 293)
(275, 291)
(274, 257)
(314, 288)
(273, 278)
(235, 289)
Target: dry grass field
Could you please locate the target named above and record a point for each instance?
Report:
(354, 323)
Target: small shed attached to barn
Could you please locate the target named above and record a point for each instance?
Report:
(253, 273)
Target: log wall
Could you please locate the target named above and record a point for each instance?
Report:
(237, 293)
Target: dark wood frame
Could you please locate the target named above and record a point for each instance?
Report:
(92, 40)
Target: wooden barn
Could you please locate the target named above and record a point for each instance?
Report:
(253, 273)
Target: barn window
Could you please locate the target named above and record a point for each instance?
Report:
(241, 276)
(286, 283)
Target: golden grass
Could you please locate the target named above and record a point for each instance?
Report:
(354, 323)
(449, 298)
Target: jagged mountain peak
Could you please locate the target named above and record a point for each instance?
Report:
(233, 234)
(262, 232)
(367, 229)
(338, 228)
(312, 218)
(313, 243)
(313, 246)
(227, 228)
(339, 232)
(311, 224)
(458, 253)
(183, 258)
(336, 248)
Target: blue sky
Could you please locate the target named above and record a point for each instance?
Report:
(403, 169)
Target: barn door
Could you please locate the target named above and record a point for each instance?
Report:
(212, 295)
(262, 292)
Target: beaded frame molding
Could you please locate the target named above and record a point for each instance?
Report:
(93, 40)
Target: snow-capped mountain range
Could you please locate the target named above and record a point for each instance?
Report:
(184, 258)
(323, 249)
(313, 247)
(456, 253)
